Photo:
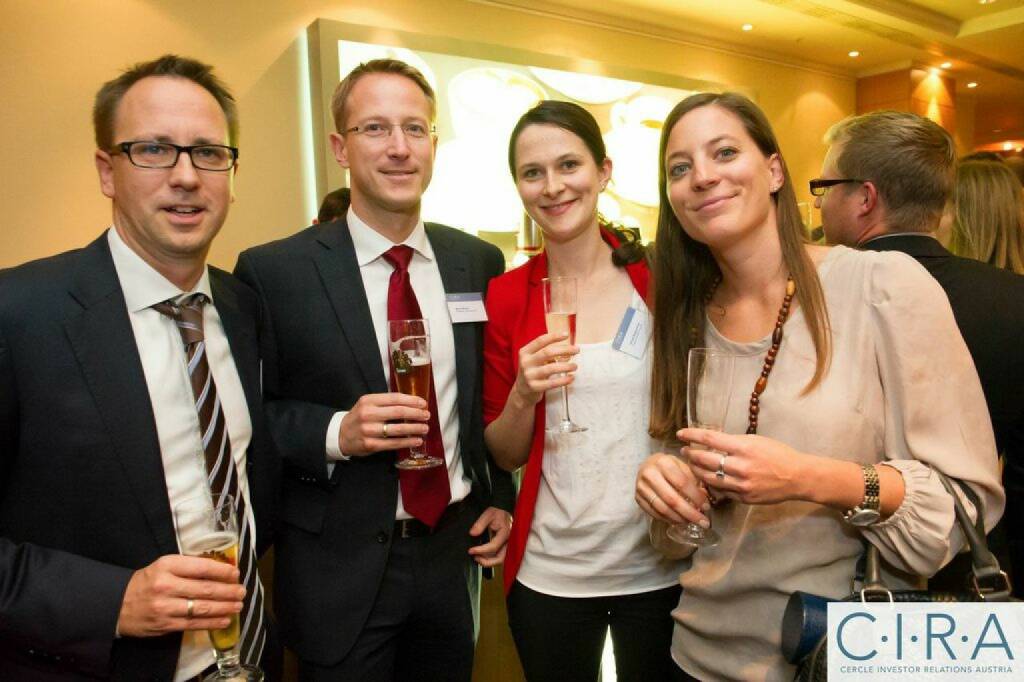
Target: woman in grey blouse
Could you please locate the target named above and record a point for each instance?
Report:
(852, 387)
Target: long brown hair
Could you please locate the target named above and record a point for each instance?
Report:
(684, 271)
(988, 223)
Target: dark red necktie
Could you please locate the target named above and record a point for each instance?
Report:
(425, 492)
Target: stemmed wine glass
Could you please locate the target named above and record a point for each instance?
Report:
(708, 388)
(207, 527)
(409, 344)
(560, 316)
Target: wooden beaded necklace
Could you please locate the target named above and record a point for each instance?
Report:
(769, 359)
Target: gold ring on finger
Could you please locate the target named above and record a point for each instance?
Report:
(384, 430)
(190, 606)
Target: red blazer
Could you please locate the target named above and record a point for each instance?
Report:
(515, 313)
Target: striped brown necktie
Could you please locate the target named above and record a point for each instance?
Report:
(187, 313)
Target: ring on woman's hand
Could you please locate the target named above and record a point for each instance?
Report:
(651, 500)
(384, 430)
(720, 474)
(190, 606)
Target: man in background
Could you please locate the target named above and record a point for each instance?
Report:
(885, 182)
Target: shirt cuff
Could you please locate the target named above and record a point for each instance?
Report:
(332, 448)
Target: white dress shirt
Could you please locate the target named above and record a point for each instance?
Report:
(170, 392)
(425, 278)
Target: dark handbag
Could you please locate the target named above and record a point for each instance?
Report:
(804, 622)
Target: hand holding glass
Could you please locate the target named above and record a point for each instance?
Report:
(208, 527)
(409, 344)
(708, 388)
(560, 316)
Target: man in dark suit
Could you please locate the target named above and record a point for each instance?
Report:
(892, 173)
(99, 430)
(375, 572)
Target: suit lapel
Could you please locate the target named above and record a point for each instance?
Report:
(339, 272)
(101, 335)
(455, 276)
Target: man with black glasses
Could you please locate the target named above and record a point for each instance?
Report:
(129, 382)
(885, 182)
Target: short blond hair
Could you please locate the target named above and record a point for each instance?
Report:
(339, 100)
(908, 158)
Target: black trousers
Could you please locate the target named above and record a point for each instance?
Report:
(561, 638)
(421, 626)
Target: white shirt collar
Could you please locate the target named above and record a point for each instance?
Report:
(371, 245)
(902, 234)
(141, 283)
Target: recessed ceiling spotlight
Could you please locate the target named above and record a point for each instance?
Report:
(1007, 146)
(972, 84)
(853, 53)
(946, 65)
(985, 2)
(747, 27)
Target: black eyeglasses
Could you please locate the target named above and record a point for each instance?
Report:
(209, 157)
(819, 185)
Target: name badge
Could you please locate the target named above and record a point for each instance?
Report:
(467, 307)
(632, 336)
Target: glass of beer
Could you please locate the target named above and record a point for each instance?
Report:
(207, 527)
(560, 317)
(409, 344)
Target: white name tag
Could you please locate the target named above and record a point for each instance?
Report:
(633, 334)
(467, 307)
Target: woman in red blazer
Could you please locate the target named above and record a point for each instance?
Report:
(579, 561)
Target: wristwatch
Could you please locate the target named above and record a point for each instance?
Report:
(867, 512)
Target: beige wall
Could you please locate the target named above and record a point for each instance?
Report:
(55, 54)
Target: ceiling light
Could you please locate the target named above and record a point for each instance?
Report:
(1007, 146)
(747, 27)
(853, 53)
(946, 65)
(985, 2)
(933, 71)
(972, 84)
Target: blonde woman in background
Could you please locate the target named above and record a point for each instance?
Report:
(988, 215)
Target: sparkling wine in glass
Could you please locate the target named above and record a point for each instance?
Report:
(708, 388)
(409, 344)
(207, 527)
(560, 317)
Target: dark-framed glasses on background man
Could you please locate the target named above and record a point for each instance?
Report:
(820, 185)
(147, 154)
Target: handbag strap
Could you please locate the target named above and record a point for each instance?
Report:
(990, 583)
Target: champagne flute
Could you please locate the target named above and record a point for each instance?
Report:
(708, 388)
(409, 343)
(560, 317)
(208, 527)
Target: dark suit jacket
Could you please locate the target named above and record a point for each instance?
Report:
(988, 304)
(320, 356)
(83, 501)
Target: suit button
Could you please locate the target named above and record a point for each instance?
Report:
(382, 537)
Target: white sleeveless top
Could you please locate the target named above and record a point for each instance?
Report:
(588, 537)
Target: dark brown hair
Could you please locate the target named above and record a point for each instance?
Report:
(110, 94)
(684, 271)
(578, 121)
